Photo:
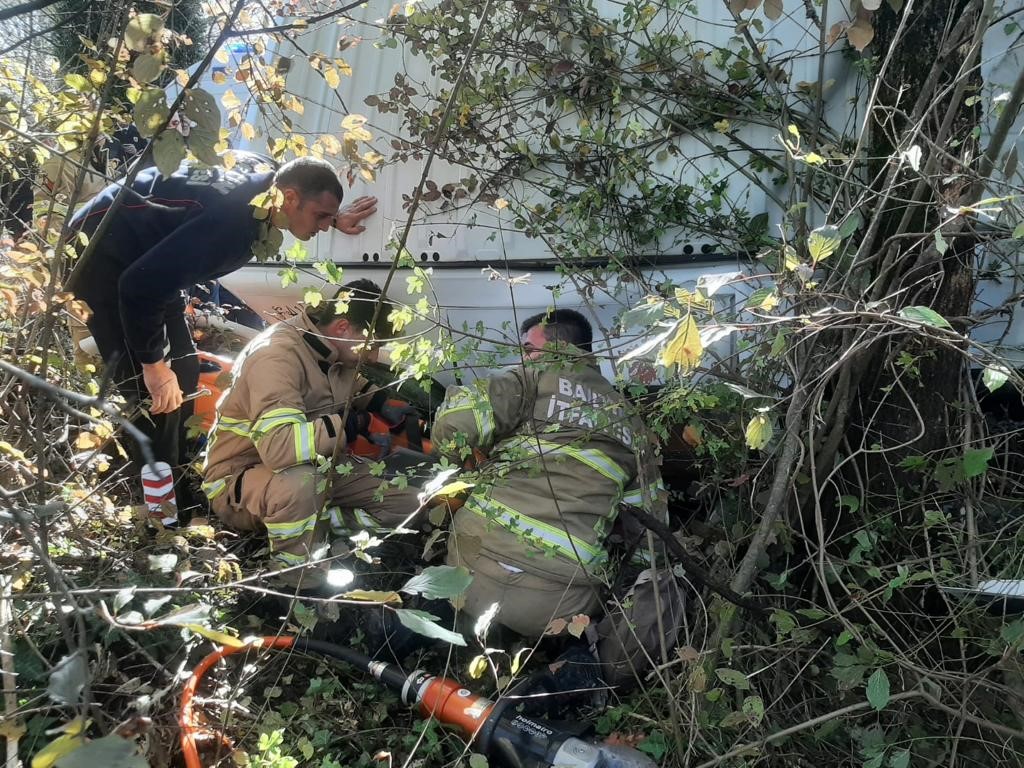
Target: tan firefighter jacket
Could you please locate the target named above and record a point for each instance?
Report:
(283, 407)
(563, 450)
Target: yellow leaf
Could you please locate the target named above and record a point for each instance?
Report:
(477, 667)
(343, 67)
(222, 56)
(332, 77)
(229, 99)
(685, 348)
(759, 432)
(212, 634)
(353, 121)
(813, 158)
(219, 78)
(372, 596)
(517, 660)
(69, 741)
(358, 134)
(248, 132)
(790, 260)
(501, 203)
(722, 126)
(229, 160)
(56, 749)
(86, 441)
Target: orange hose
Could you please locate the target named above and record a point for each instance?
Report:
(186, 721)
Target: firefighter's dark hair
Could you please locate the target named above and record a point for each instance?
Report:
(565, 325)
(310, 177)
(362, 297)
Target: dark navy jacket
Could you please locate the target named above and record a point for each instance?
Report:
(170, 234)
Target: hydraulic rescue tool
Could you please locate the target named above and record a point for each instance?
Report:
(508, 738)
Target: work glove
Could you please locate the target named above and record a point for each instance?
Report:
(356, 424)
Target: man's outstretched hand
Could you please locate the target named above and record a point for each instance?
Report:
(163, 387)
(349, 218)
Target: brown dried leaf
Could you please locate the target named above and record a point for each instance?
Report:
(860, 34)
(773, 9)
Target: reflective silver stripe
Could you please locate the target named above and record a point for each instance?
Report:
(305, 442)
(635, 496)
(335, 519)
(518, 524)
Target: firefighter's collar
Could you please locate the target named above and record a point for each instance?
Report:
(326, 354)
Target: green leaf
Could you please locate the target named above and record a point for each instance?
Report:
(201, 108)
(439, 582)
(203, 143)
(168, 151)
(146, 68)
(312, 297)
(878, 689)
(823, 242)
(78, 83)
(644, 315)
(753, 708)
(476, 760)
(995, 376)
(850, 225)
(733, 677)
(940, 243)
(140, 29)
(1018, 232)
(976, 461)
(110, 752)
(151, 112)
(899, 759)
(926, 316)
(655, 745)
(426, 625)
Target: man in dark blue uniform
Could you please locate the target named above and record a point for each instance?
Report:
(171, 233)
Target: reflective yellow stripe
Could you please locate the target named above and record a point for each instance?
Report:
(596, 459)
(277, 417)
(550, 537)
(479, 404)
(288, 559)
(284, 531)
(215, 488)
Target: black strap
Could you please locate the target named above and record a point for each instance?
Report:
(320, 348)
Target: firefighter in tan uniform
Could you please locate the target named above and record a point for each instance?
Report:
(565, 451)
(279, 424)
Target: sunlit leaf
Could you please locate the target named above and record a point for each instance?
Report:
(759, 432)
(372, 596)
(477, 667)
(439, 582)
(926, 316)
(823, 242)
(685, 349)
(221, 638)
(994, 376)
(140, 29)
